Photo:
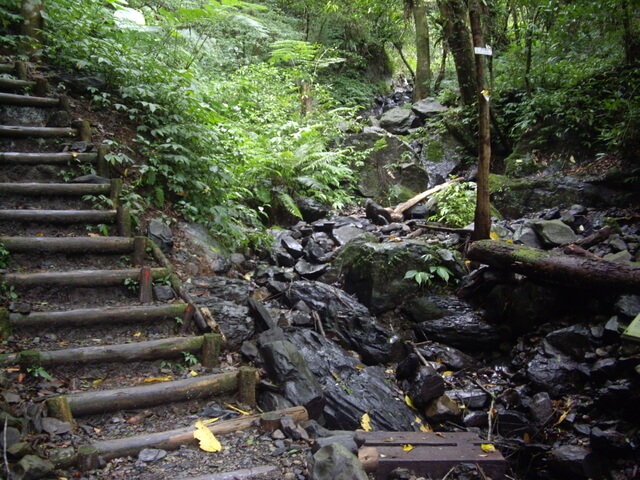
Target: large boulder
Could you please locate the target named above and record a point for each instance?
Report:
(375, 272)
(399, 120)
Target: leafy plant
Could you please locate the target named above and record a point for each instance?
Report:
(189, 358)
(434, 272)
(132, 285)
(455, 206)
(39, 372)
(4, 256)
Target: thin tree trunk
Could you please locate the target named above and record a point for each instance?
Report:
(443, 66)
(454, 15)
(529, 52)
(422, 87)
(398, 47)
(482, 219)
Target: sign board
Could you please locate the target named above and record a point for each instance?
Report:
(483, 51)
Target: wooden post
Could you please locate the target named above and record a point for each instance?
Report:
(146, 285)
(5, 324)
(103, 165)
(139, 251)
(116, 190)
(21, 70)
(41, 88)
(84, 130)
(247, 386)
(211, 349)
(64, 103)
(123, 221)
(187, 317)
(482, 219)
(88, 458)
(59, 408)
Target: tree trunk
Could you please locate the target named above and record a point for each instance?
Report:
(630, 37)
(456, 32)
(31, 11)
(422, 87)
(482, 219)
(443, 66)
(556, 268)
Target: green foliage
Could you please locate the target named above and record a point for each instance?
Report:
(39, 372)
(4, 256)
(434, 272)
(132, 285)
(189, 358)
(455, 205)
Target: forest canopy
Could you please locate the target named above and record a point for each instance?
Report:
(240, 107)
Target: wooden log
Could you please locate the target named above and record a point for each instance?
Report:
(28, 101)
(7, 67)
(62, 158)
(129, 352)
(139, 244)
(15, 131)
(79, 278)
(20, 68)
(92, 316)
(115, 190)
(5, 324)
(33, 189)
(58, 407)
(173, 439)
(369, 457)
(83, 128)
(59, 216)
(105, 245)
(151, 395)
(123, 221)
(396, 213)
(103, 164)
(12, 84)
(556, 268)
(88, 458)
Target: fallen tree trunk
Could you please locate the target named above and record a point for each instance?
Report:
(396, 213)
(557, 268)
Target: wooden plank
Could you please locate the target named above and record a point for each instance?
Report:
(90, 316)
(151, 395)
(39, 132)
(431, 454)
(47, 158)
(79, 278)
(59, 216)
(105, 245)
(28, 101)
(12, 84)
(33, 189)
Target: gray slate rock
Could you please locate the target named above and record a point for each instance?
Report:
(399, 120)
(150, 455)
(554, 233)
(336, 462)
(428, 107)
(160, 234)
(32, 467)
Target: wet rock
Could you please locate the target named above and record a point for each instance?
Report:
(347, 440)
(288, 367)
(459, 325)
(557, 374)
(605, 368)
(347, 233)
(206, 250)
(220, 288)
(309, 270)
(407, 368)
(335, 462)
(609, 441)
(574, 340)
(451, 357)
(260, 314)
(476, 419)
(314, 252)
(311, 209)
(53, 426)
(427, 386)
(234, 321)
(292, 246)
(569, 461)
(282, 258)
(525, 235)
(32, 467)
(512, 423)
(619, 257)
(442, 409)
(343, 316)
(398, 120)
(376, 213)
(292, 430)
(350, 390)
(541, 407)
(9, 437)
(163, 293)
(553, 233)
(618, 394)
(471, 398)
(160, 234)
(628, 305)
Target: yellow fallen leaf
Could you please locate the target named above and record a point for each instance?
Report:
(359, 367)
(407, 447)
(193, 373)
(408, 401)
(488, 447)
(208, 441)
(447, 373)
(209, 421)
(137, 334)
(365, 422)
(494, 236)
(562, 418)
(97, 383)
(425, 428)
(168, 378)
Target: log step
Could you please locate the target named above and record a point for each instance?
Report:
(28, 101)
(151, 395)
(7, 67)
(59, 216)
(93, 316)
(12, 84)
(103, 245)
(37, 132)
(130, 352)
(54, 189)
(80, 278)
(46, 158)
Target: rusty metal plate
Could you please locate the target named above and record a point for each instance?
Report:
(432, 454)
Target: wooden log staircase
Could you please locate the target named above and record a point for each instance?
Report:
(68, 299)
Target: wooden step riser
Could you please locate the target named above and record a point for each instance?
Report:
(12, 85)
(54, 189)
(88, 245)
(16, 158)
(11, 131)
(28, 101)
(166, 348)
(82, 279)
(59, 216)
(98, 316)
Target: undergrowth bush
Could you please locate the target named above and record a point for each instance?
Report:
(455, 206)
